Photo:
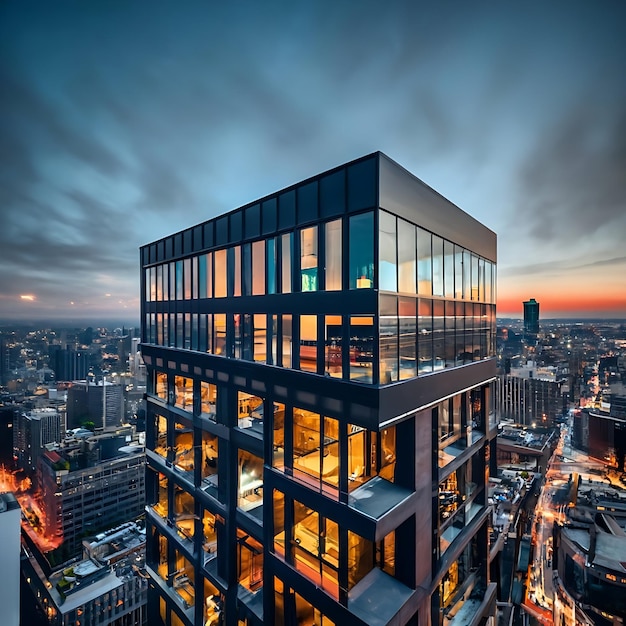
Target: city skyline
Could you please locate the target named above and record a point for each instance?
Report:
(123, 124)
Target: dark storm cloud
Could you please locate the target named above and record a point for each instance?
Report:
(122, 123)
(574, 181)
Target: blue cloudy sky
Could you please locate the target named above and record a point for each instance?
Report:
(122, 122)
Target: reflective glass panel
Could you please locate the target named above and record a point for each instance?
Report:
(333, 255)
(361, 348)
(361, 251)
(308, 258)
(333, 346)
(258, 268)
(220, 273)
(407, 257)
(260, 337)
(425, 336)
(437, 266)
(308, 343)
(387, 252)
(286, 256)
(286, 340)
(424, 263)
(408, 339)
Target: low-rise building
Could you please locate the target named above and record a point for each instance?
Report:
(107, 585)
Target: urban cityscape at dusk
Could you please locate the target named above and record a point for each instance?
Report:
(123, 122)
(312, 314)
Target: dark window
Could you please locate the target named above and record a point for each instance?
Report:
(221, 231)
(178, 244)
(287, 210)
(208, 234)
(362, 185)
(187, 241)
(235, 226)
(332, 194)
(253, 221)
(197, 238)
(307, 202)
(268, 216)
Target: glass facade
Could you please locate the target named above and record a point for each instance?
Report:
(452, 289)
(305, 409)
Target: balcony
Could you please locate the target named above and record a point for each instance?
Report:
(377, 497)
(378, 598)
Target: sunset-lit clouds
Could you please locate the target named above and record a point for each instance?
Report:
(124, 122)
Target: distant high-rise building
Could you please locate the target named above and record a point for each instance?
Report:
(4, 361)
(531, 317)
(8, 419)
(101, 403)
(320, 408)
(10, 516)
(31, 432)
(69, 364)
(90, 484)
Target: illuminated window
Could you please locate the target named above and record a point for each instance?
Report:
(308, 343)
(184, 392)
(333, 346)
(183, 448)
(208, 400)
(250, 490)
(315, 547)
(278, 435)
(361, 251)
(308, 258)
(220, 274)
(260, 337)
(333, 256)
(160, 446)
(249, 562)
(258, 268)
(250, 411)
(360, 558)
(161, 385)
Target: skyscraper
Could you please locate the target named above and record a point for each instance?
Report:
(531, 317)
(100, 403)
(320, 379)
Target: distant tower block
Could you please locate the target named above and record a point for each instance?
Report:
(531, 316)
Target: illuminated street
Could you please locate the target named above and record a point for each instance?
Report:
(33, 517)
(566, 468)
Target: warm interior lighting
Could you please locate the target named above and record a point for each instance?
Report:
(363, 283)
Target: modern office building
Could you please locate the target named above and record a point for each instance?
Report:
(31, 432)
(90, 484)
(10, 516)
(320, 425)
(69, 364)
(531, 317)
(533, 395)
(99, 402)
